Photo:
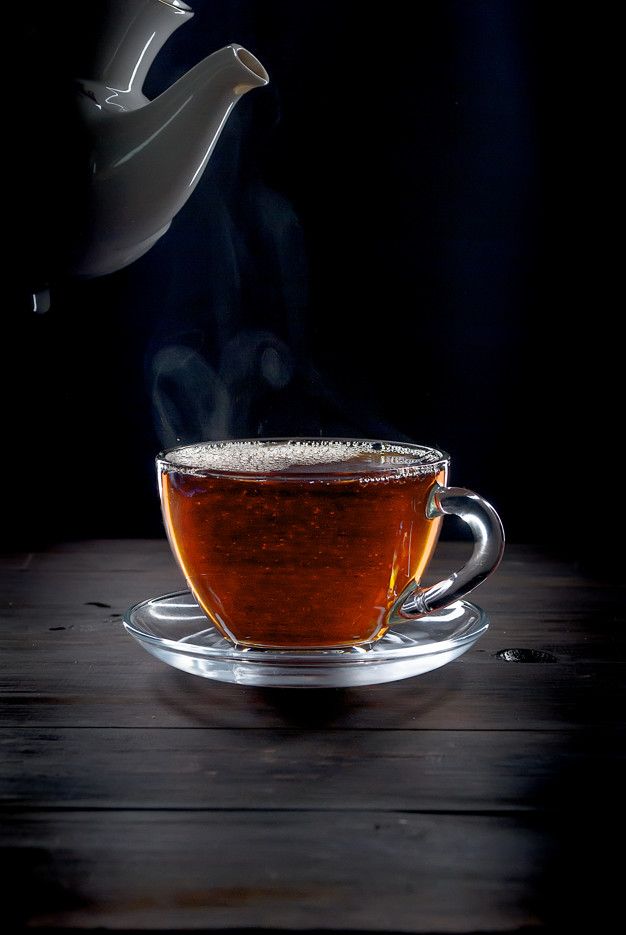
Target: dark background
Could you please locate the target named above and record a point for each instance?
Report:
(396, 239)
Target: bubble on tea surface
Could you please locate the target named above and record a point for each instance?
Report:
(310, 456)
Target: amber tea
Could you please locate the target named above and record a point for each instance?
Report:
(301, 542)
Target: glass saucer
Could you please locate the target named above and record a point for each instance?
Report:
(174, 629)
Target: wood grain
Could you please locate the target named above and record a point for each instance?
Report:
(474, 798)
(365, 871)
(68, 662)
(464, 771)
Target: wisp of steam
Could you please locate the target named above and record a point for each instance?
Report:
(236, 362)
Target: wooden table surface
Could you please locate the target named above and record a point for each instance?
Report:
(481, 797)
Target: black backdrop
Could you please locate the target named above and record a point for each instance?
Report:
(394, 239)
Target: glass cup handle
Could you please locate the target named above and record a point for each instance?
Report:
(486, 526)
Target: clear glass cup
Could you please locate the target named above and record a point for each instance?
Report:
(313, 543)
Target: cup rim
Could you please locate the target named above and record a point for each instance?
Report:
(425, 463)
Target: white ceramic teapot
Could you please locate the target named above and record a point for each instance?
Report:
(146, 157)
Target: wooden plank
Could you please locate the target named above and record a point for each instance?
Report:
(67, 660)
(578, 618)
(374, 871)
(575, 637)
(96, 555)
(121, 573)
(473, 798)
(87, 684)
(90, 690)
(453, 771)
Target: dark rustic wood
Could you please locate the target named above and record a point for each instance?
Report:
(475, 798)
(328, 869)
(464, 771)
